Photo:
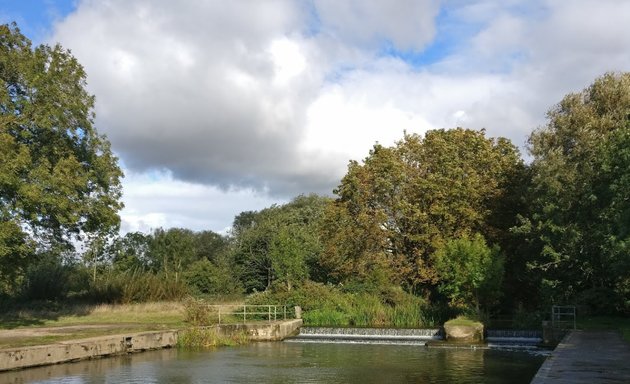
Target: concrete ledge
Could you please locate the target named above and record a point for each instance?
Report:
(73, 350)
(15, 358)
(273, 331)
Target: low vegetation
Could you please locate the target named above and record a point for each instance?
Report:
(205, 337)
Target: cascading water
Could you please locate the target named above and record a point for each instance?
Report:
(510, 339)
(367, 335)
(513, 338)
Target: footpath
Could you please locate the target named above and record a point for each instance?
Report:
(587, 357)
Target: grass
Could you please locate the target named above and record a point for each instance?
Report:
(53, 323)
(621, 324)
(463, 321)
(161, 313)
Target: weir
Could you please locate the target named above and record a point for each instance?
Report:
(494, 338)
(367, 335)
(515, 338)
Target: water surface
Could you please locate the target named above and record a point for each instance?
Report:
(295, 363)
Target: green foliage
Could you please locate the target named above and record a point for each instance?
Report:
(196, 312)
(46, 280)
(464, 321)
(278, 244)
(288, 253)
(135, 287)
(204, 277)
(404, 202)
(171, 250)
(130, 252)
(579, 217)
(470, 271)
(325, 305)
(58, 177)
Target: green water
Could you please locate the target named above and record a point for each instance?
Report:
(295, 363)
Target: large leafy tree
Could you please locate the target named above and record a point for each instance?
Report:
(404, 202)
(580, 194)
(58, 177)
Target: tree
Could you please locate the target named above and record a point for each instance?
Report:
(129, 253)
(279, 243)
(58, 177)
(580, 192)
(404, 202)
(470, 271)
(288, 255)
(171, 251)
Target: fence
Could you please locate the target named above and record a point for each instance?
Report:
(243, 312)
(563, 317)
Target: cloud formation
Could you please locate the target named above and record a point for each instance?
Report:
(273, 98)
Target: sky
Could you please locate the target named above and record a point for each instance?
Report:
(217, 107)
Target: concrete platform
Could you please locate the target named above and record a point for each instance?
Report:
(96, 347)
(587, 357)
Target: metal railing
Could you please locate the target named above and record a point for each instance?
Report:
(563, 316)
(243, 312)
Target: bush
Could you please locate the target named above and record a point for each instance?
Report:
(196, 312)
(204, 277)
(135, 287)
(326, 305)
(46, 280)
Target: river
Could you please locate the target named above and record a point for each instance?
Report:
(282, 362)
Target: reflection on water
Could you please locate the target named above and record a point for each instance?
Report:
(295, 363)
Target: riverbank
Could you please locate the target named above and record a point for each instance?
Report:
(74, 350)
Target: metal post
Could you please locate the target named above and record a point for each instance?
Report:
(244, 313)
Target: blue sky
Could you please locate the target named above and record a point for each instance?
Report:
(218, 107)
(35, 17)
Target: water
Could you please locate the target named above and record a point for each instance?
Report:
(367, 335)
(281, 363)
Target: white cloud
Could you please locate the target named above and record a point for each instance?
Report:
(241, 100)
(153, 200)
(407, 24)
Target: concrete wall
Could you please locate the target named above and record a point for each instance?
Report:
(84, 349)
(16, 358)
(273, 331)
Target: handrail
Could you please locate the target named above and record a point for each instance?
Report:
(272, 312)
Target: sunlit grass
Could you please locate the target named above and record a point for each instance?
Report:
(165, 313)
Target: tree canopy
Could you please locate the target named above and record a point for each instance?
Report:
(580, 193)
(58, 177)
(404, 202)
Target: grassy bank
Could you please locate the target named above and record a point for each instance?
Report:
(621, 324)
(45, 323)
(56, 315)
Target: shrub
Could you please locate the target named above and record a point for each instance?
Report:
(326, 305)
(46, 280)
(196, 311)
(135, 287)
(204, 277)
